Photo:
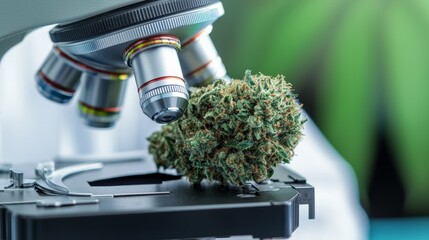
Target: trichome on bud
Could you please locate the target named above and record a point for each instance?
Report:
(232, 132)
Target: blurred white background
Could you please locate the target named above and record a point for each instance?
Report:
(35, 129)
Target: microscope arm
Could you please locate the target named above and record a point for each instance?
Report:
(19, 17)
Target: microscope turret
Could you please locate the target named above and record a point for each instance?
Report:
(145, 39)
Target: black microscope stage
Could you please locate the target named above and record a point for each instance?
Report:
(127, 201)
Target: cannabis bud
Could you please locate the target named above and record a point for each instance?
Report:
(232, 132)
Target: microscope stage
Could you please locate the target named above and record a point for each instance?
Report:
(127, 203)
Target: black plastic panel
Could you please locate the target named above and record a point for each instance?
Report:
(189, 211)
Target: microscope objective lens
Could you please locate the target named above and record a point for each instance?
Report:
(101, 98)
(200, 61)
(159, 78)
(59, 77)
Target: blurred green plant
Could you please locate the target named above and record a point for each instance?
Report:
(360, 66)
(233, 132)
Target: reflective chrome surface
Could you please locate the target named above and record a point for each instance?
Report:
(58, 78)
(200, 60)
(101, 99)
(159, 78)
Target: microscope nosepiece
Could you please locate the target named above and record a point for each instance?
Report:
(59, 76)
(159, 78)
(146, 35)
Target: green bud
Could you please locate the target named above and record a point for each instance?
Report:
(232, 133)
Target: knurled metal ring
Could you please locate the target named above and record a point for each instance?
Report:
(162, 40)
(123, 17)
(163, 90)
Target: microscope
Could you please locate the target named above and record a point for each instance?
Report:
(97, 46)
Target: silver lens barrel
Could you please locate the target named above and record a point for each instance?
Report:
(159, 78)
(101, 98)
(59, 76)
(200, 60)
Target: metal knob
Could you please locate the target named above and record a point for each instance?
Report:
(17, 178)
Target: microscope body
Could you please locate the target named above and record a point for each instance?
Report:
(97, 47)
(187, 212)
